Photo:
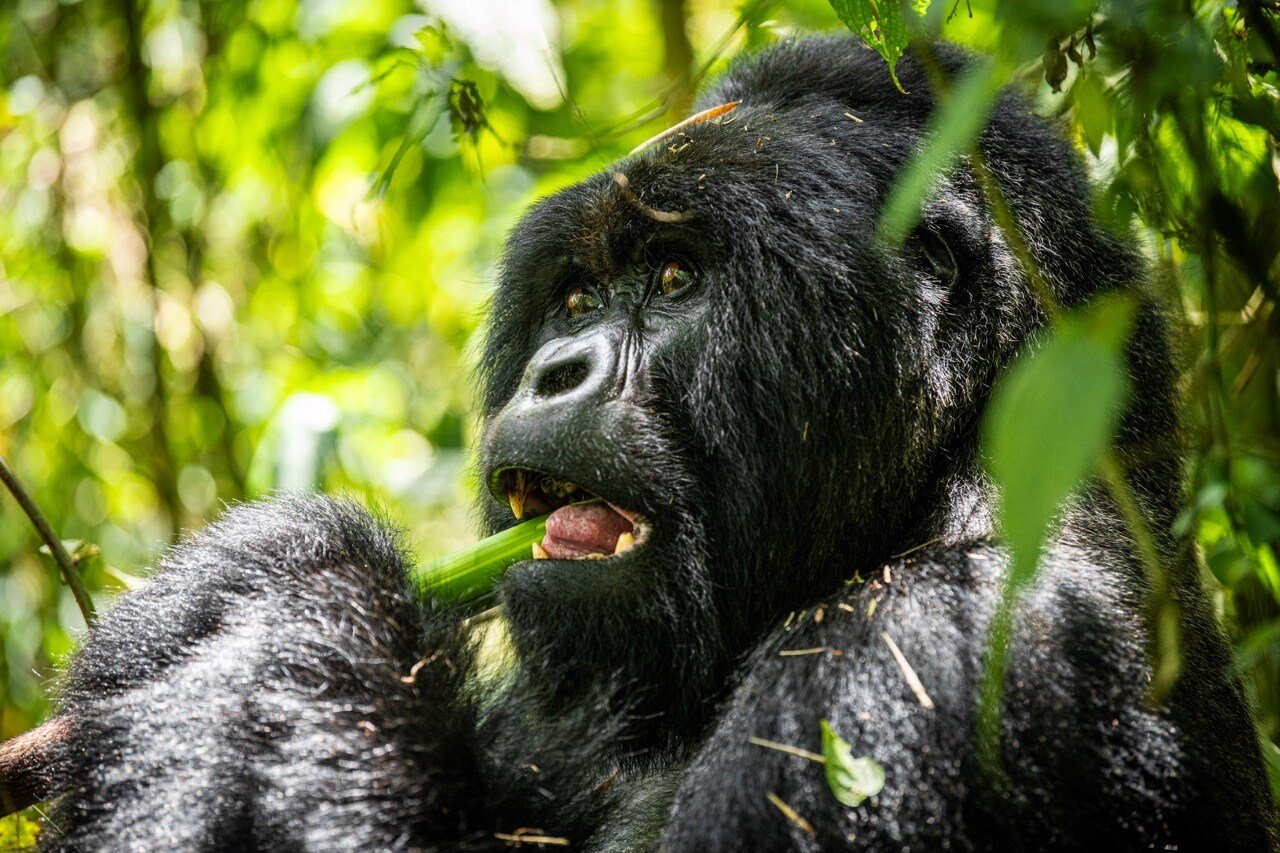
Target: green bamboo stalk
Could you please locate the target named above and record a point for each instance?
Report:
(468, 574)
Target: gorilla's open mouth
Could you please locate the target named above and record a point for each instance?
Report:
(581, 526)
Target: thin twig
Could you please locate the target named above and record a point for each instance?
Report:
(908, 672)
(790, 813)
(51, 541)
(520, 838)
(934, 541)
(787, 748)
(657, 215)
(816, 650)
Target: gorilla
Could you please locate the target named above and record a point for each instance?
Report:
(754, 424)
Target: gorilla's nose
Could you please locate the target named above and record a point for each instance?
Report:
(573, 405)
(574, 370)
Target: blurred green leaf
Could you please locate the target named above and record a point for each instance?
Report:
(18, 832)
(1092, 111)
(952, 128)
(1271, 755)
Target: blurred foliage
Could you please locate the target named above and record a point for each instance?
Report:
(245, 246)
(18, 832)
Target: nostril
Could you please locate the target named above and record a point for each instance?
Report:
(558, 378)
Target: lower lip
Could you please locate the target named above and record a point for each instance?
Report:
(641, 534)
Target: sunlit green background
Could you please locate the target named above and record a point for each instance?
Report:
(247, 245)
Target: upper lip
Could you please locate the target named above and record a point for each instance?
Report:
(529, 491)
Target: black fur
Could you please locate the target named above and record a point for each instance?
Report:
(801, 429)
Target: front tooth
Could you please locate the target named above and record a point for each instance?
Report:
(625, 543)
(539, 553)
(516, 499)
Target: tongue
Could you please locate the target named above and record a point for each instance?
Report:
(578, 530)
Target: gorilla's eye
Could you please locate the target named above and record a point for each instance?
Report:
(580, 302)
(673, 277)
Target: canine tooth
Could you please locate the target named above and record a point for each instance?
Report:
(539, 553)
(517, 495)
(625, 542)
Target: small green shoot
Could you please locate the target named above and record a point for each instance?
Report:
(852, 780)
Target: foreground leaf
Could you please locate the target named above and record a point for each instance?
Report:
(1050, 420)
(954, 125)
(1051, 417)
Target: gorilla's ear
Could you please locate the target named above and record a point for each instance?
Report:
(937, 256)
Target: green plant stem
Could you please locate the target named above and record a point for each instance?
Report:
(1161, 608)
(468, 574)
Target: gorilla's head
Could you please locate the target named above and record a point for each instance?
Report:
(704, 359)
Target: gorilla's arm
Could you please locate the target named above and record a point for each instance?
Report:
(262, 688)
(1083, 757)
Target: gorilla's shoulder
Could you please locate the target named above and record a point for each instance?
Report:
(291, 553)
(294, 531)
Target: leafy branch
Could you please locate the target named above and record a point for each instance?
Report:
(1077, 373)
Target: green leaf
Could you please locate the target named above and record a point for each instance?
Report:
(852, 780)
(1050, 419)
(882, 26)
(1271, 755)
(18, 833)
(953, 126)
(1093, 113)
(435, 45)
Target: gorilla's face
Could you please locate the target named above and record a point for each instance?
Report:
(723, 387)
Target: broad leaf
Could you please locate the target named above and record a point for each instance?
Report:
(882, 26)
(1093, 113)
(1050, 419)
(852, 780)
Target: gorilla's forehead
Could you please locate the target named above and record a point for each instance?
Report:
(815, 164)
